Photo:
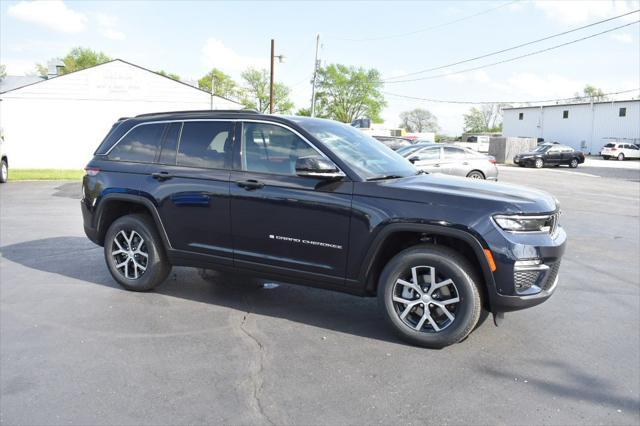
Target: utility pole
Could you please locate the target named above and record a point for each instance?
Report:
(271, 89)
(315, 74)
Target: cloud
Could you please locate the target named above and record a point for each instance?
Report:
(107, 27)
(622, 38)
(216, 54)
(573, 12)
(535, 86)
(54, 15)
(479, 76)
(19, 66)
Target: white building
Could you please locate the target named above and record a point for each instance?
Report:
(59, 122)
(584, 126)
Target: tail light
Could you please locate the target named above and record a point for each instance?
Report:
(91, 171)
(492, 160)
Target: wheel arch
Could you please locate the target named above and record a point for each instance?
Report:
(113, 206)
(394, 238)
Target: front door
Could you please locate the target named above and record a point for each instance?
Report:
(554, 155)
(190, 186)
(283, 222)
(428, 159)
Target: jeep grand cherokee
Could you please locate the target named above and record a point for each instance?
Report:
(318, 203)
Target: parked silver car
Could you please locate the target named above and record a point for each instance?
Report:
(453, 160)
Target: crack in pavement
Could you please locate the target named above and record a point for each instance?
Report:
(257, 379)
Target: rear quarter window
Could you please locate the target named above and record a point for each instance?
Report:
(139, 145)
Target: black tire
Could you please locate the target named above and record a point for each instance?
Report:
(521, 164)
(538, 163)
(620, 157)
(605, 157)
(448, 264)
(4, 171)
(574, 163)
(476, 174)
(157, 266)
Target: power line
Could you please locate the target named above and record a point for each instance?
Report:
(444, 24)
(502, 102)
(511, 48)
(514, 58)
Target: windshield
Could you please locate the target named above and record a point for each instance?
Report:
(368, 157)
(542, 148)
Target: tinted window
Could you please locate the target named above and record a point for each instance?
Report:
(622, 112)
(206, 144)
(565, 114)
(170, 144)
(453, 153)
(139, 145)
(268, 148)
(520, 116)
(610, 145)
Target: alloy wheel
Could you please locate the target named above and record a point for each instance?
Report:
(475, 175)
(425, 300)
(130, 255)
(539, 163)
(574, 163)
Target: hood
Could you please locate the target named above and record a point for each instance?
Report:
(467, 194)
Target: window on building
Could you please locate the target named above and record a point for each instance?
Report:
(206, 144)
(565, 113)
(139, 145)
(268, 148)
(521, 116)
(622, 112)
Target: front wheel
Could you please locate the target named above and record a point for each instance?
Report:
(429, 296)
(475, 174)
(4, 171)
(574, 163)
(134, 253)
(539, 163)
(621, 157)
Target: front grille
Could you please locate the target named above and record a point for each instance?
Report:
(551, 276)
(525, 279)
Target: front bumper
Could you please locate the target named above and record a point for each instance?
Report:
(520, 287)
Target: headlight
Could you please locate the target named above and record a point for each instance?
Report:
(543, 223)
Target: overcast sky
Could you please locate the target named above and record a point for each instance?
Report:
(188, 38)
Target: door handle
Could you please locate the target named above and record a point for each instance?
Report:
(161, 176)
(250, 184)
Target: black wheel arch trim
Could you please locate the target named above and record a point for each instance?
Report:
(475, 242)
(134, 199)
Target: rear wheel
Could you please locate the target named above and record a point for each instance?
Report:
(574, 163)
(429, 296)
(605, 157)
(134, 253)
(621, 157)
(539, 163)
(476, 174)
(4, 171)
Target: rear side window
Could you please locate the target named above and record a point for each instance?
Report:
(207, 144)
(453, 153)
(139, 145)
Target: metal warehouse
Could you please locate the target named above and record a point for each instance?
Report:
(59, 122)
(584, 126)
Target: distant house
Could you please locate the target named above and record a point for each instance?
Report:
(584, 126)
(59, 122)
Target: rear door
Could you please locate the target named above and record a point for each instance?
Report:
(189, 184)
(455, 161)
(283, 222)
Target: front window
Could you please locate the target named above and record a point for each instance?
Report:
(368, 157)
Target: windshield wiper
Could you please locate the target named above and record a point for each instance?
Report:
(384, 177)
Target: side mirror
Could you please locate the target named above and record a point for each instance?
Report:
(317, 167)
(414, 159)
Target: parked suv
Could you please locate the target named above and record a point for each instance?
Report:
(319, 203)
(620, 151)
(4, 160)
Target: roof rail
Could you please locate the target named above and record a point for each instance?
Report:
(225, 111)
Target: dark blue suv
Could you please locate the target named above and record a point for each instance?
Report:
(318, 203)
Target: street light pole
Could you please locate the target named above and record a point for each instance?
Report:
(271, 88)
(315, 74)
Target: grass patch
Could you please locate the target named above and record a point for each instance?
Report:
(45, 174)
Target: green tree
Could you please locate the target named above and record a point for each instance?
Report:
(3, 72)
(419, 120)
(592, 94)
(487, 118)
(223, 85)
(304, 112)
(82, 57)
(255, 94)
(42, 70)
(347, 93)
(169, 74)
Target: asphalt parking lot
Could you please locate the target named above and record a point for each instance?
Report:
(76, 349)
